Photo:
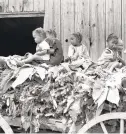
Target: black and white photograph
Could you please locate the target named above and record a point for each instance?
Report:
(63, 66)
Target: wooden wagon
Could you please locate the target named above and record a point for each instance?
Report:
(57, 125)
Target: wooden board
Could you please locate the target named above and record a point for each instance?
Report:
(85, 23)
(21, 14)
(28, 5)
(101, 31)
(97, 28)
(57, 18)
(67, 23)
(113, 17)
(52, 124)
(39, 5)
(124, 25)
(109, 17)
(3, 5)
(6, 6)
(117, 17)
(15, 6)
(82, 20)
(49, 17)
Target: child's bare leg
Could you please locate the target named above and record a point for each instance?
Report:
(30, 59)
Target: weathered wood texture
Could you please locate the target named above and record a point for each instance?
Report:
(113, 17)
(82, 20)
(67, 22)
(95, 19)
(97, 28)
(124, 24)
(22, 5)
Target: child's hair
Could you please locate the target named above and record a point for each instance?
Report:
(52, 32)
(40, 32)
(78, 36)
(114, 38)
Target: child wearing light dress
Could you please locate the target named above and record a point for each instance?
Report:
(42, 48)
(78, 55)
(110, 58)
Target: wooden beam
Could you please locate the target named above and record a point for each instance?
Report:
(22, 14)
(103, 128)
(121, 126)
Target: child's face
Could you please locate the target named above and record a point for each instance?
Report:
(38, 39)
(120, 45)
(110, 44)
(74, 41)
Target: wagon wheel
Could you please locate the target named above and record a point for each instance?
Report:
(5, 126)
(104, 117)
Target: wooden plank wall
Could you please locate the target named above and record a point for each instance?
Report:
(95, 19)
(22, 6)
(124, 24)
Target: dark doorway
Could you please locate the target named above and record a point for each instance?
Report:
(16, 35)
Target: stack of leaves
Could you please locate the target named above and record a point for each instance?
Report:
(73, 97)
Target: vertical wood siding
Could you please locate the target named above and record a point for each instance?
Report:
(95, 19)
(22, 5)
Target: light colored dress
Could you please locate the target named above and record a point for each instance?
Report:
(107, 59)
(81, 55)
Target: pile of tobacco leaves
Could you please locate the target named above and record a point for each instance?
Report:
(72, 97)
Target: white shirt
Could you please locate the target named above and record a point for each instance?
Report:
(43, 46)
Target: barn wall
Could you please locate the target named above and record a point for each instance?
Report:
(95, 19)
(8, 6)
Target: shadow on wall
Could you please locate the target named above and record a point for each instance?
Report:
(16, 35)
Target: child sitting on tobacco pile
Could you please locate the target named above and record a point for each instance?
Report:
(42, 48)
(78, 55)
(56, 51)
(110, 58)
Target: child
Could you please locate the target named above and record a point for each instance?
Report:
(77, 53)
(110, 58)
(42, 47)
(56, 51)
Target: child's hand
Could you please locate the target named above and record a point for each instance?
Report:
(67, 59)
(73, 58)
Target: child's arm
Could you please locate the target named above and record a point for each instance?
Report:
(41, 53)
(51, 51)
